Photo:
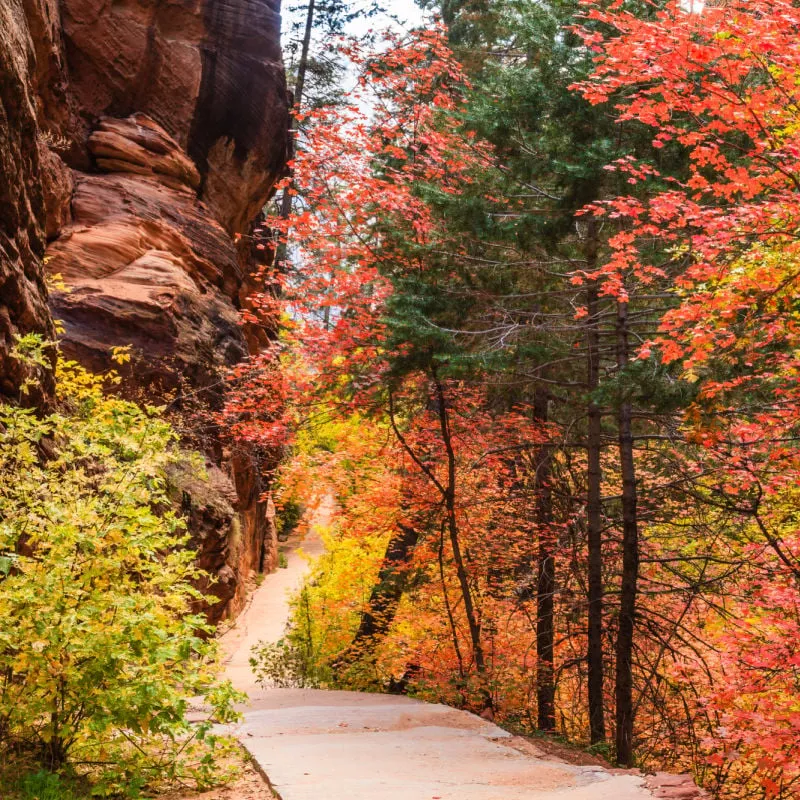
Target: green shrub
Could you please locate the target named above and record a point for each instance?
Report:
(99, 651)
(42, 785)
(284, 664)
(289, 515)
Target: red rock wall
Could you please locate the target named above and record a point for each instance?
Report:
(139, 137)
(23, 156)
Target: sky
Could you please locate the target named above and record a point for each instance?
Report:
(406, 11)
(399, 14)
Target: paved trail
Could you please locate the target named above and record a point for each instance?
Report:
(320, 745)
(265, 617)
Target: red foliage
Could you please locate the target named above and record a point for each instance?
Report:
(722, 84)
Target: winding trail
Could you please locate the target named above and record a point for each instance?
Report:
(327, 745)
(267, 613)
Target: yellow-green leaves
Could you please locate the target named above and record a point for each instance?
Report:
(99, 650)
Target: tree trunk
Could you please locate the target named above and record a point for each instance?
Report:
(630, 562)
(450, 499)
(597, 726)
(300, 82)
(385, 596)
(545, 582)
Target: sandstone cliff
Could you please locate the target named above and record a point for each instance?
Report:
(23, 158)
(139, 139)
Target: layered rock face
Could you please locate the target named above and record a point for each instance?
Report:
(23, 157)
(153, 132)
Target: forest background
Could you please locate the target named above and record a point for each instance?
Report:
(537, 274)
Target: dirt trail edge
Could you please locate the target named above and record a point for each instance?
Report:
(321, 745)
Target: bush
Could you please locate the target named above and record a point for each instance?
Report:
(289, 515)
(42, 785)
(281, 664)
(99, 650)
(291, 661)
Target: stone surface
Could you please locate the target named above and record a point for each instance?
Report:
(149, 267)
(665, 786)
(140, 146)
(341, 747)
(23, 307)
(268, 609)
(208, 71)
(137, 139)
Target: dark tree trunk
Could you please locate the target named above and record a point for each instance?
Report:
(630, 562)
(385, 596)
(299, 86)
(448, 494)
(545, 582)
(473, 622)
(597, 726)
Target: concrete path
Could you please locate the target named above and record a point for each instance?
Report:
(265, 617)
(320, 745)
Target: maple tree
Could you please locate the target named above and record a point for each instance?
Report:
(721, 83)
(346, 320)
